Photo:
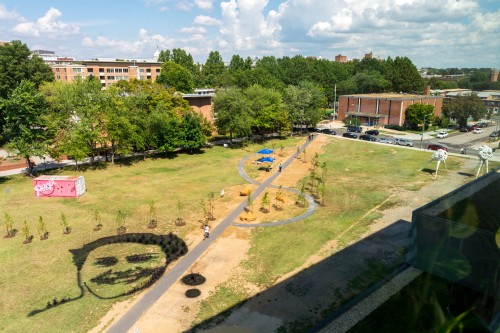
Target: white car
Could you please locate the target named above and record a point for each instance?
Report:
(478, 130)
(441, 134)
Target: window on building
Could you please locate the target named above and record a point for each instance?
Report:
(148, 70)
(110, 77)
(141, 70)
(90, 70)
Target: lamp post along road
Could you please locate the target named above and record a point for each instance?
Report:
(422, 137)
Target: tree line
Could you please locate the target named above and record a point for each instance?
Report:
(368, 75)
(39, 116)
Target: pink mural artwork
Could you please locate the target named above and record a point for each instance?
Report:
(59, 186)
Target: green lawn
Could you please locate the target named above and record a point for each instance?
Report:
(32, 274)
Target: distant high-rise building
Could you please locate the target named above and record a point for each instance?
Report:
(369, 55)
(340, 58)
(494, 75)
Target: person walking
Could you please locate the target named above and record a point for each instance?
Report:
(280, 166)
(206, 231)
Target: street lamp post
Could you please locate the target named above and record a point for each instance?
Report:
(422, 137)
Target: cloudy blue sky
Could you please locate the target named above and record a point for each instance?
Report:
(436, 33)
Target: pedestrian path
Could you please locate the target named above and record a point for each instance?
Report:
(126, 322)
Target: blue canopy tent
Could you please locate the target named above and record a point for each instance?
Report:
(265, 151)
(266, 159)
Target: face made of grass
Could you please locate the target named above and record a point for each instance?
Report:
(119, 269)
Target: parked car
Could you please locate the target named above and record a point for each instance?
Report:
(372, 132)
(326, 131)
(386, 140)
(403, 142)
(357, 129)
(441, 134)
(434, 146)
(466, 129)
(350, 135)
(478, 130)
(367, 137)
(495, 134)
(482, 125)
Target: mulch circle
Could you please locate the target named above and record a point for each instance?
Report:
(193, 279)
(192, 293)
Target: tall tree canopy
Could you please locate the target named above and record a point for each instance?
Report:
(464, 107)
(232, 113)
(304, 103)
(25, 125)
(176, 76)
(417, 113)
(213, 68)
(404, 76)
(18, 64)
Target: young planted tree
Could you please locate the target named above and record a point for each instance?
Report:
(28, 237)
(304, 154)
(265, 202)
(211, 206)
(152, 216)
(324, 170)
(250, 202)
(121, 216)
(313, 176)
(315, 162)
(64, 224)
(279, 199)
(180, 221)
(9, 223)
(96, 219)
(42, 230)
(321, 190)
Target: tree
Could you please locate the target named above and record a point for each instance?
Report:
(78, 116)
(415, 113)
(268, 111)
(176, 76)
(17, 64)
(193, 137)
(304, 103)
(404, 76)
(371, 82)
(232, 113)
(25, 122)
(464, 107)
(213, 68)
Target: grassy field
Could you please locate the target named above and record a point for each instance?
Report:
(36, 273)
(360, 177)
(33, 274)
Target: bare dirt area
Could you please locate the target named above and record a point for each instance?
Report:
(300, 290)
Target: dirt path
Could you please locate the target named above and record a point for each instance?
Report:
(174, 312)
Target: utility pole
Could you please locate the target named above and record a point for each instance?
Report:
(422, 138)
(334, 101)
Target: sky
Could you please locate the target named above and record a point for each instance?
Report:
(432, 33)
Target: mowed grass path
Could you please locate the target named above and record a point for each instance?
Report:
(33, 274)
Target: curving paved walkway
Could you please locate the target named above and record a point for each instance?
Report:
(150, 297)
(310, 200)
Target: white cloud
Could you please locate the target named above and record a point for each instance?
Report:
(192, 30)
(48, 26)
(184, 5)
(204, 4)
(11, 16)
(206, 20)
(104, 47)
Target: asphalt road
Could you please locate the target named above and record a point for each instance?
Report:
(454, 141)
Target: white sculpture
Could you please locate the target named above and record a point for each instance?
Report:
(439, 155)
(485, 153)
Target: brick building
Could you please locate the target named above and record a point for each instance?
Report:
(383, 109)
(201, 101)
(108, 71)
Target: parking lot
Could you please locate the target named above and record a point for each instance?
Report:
(455, 141)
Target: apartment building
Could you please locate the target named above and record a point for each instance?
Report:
(107, 71)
